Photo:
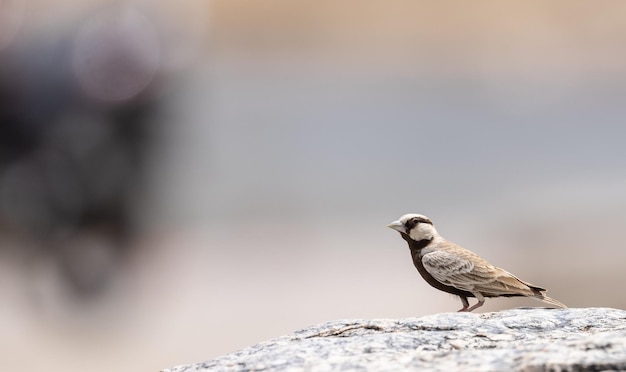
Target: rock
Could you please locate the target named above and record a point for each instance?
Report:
(528, 339)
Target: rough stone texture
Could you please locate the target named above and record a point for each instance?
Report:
(527, 339)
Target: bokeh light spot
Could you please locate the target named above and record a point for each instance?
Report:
(116, 55)
(11, 19)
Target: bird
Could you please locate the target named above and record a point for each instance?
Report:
(456, 270)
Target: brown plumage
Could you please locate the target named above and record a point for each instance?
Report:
(454, 269)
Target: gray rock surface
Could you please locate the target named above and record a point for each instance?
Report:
(528, 339)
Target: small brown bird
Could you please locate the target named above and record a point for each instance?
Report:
(453, 269)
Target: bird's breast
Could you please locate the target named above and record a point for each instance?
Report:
(417, 255)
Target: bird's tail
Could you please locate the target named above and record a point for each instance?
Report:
(549, 300)
(538, 293)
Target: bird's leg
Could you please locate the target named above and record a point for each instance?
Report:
(481, 302)
(465, 304)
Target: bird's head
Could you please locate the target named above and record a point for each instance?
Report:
(415, 226)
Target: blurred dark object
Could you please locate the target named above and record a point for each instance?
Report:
(70, 165)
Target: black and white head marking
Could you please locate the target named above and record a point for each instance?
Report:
(416, 226)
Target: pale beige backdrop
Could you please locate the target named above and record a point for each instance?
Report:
(292, 132)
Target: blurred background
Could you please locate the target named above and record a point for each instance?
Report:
(179, 180)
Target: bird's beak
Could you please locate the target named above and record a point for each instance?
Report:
(398, 226)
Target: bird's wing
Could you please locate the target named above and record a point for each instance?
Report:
(465, 270)
(457, 270)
